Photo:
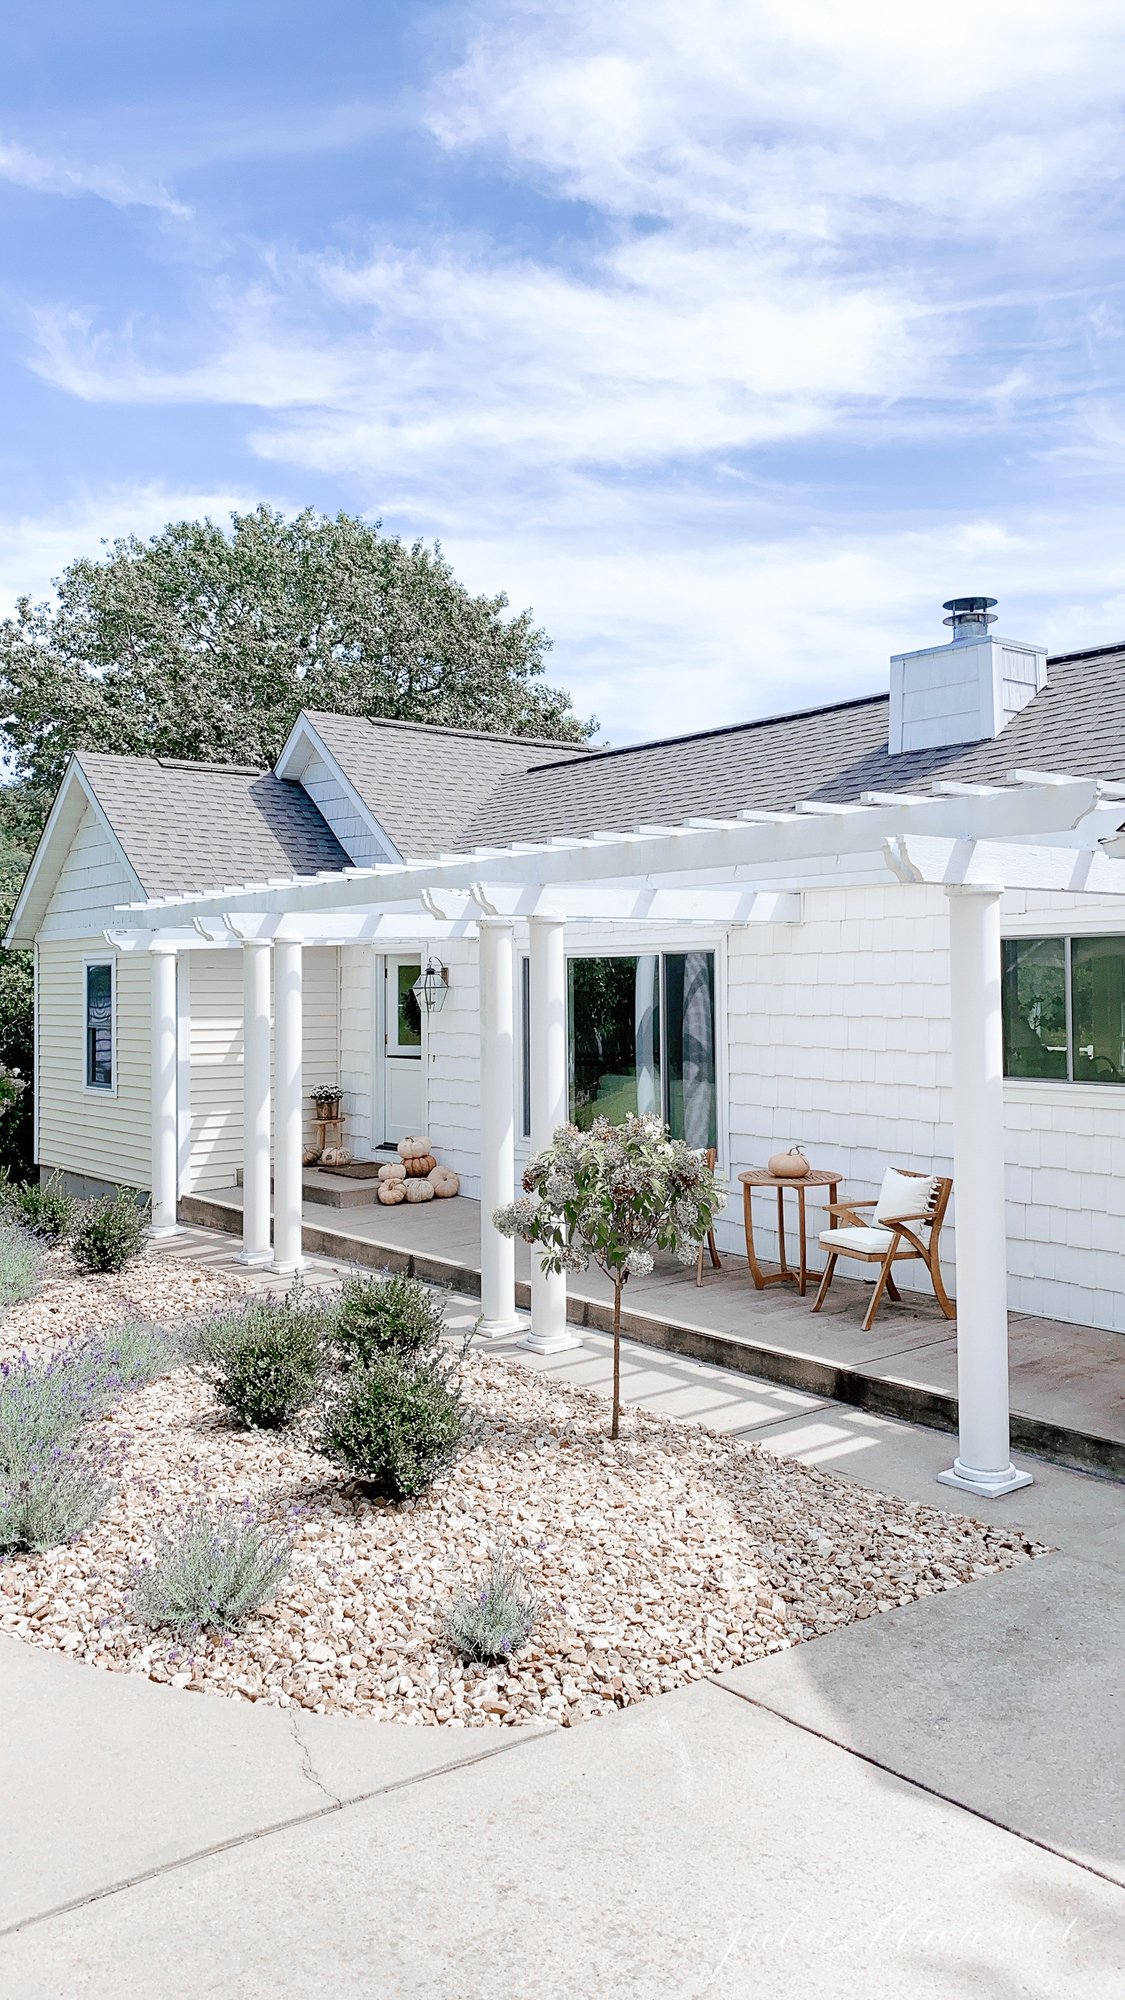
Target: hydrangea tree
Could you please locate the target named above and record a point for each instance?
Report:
(613, 1196)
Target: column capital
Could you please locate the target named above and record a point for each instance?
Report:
(961, 889)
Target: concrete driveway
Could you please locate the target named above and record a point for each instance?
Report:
(924, 1804)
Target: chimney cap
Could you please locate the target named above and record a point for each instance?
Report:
(969, 614)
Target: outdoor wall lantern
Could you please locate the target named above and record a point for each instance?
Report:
(431, 988)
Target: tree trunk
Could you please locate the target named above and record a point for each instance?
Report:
(615, 1425)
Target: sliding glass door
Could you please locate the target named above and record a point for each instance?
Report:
(642, 1038)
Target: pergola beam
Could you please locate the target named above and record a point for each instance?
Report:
(1004, 864)
(781, 845)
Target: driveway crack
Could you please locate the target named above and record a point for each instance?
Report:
(308, 1768)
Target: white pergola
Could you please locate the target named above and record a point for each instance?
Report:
(972, 841)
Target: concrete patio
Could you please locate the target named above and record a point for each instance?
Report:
(1067, 1382)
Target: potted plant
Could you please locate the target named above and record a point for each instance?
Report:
(326, 1100)
(613, 1196)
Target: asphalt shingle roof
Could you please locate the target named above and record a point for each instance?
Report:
(188, 827)
(424, 783)
(1075, 725)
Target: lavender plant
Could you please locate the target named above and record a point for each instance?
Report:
(494, 1621)
(50, 1501)
(213, 1568)
(21, 1265)
(613, 1196)
(44, 1405)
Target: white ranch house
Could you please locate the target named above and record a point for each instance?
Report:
(892, 929)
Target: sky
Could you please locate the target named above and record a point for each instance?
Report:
(732, 338)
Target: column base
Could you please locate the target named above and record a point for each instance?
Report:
(254, 1259)
(161, 1232)
(288, 1270)
(558, 1341)
(988, 1485)
(500, 1329)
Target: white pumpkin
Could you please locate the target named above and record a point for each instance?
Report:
(394, 1170)
(788, 1166)
(411, 1149)
(390, 1192)
(444, 1182)
(418, 1190)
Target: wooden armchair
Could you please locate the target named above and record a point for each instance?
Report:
(903, 1224)
(711, 1156)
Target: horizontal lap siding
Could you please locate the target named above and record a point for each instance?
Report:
(216, 1055)
(106, 1135)
(216, 1066)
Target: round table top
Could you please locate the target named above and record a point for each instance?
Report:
(816, 1177)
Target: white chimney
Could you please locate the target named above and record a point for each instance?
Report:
(965, 690)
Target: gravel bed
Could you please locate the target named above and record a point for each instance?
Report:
(673, 1554)
(154, 1287)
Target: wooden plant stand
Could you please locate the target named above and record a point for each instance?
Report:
(323, 1126)
(753, 1181)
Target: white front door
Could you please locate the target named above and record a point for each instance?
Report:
(402, 1099)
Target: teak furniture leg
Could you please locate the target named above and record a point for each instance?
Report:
(756, 1271)
(826, 1280)
(803, 1279)
(883, 1280)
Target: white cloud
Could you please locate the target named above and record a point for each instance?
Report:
(43, 175)
(801, 227)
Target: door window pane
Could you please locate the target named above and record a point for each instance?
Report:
(1097, 973)
(614, 1037)
(408, 1016)
(99, 1027)
(689, 1046)
(1034, 1001)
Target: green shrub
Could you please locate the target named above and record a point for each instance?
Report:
(50, 1502)
(396, 1424)
(21, 1265)
(493, 1622)
(43, 1207)
(384, 1315)
(111, 1232)
(264, 1360)
(211, 1569)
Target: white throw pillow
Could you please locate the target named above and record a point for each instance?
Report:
(903, 1194)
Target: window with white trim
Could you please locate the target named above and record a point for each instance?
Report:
(99, 1055)
(1064, 1009)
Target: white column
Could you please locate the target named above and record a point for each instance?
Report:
(550, 1108)
(497, 1127)
(256, 968)
(288, 1142)
(983, 1464)
(165, 1149)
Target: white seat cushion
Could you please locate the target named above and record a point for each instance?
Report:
(866, 1240)
(902, 1194)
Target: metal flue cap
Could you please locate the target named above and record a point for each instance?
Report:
(970, 617)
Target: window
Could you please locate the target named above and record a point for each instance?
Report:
(99, 1026)
(1064, 1008)
(641, 1038)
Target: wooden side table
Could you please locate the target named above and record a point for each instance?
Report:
(759, 1177)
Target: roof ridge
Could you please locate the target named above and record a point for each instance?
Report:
(733, 728)
(449, 729)
(1086, 653)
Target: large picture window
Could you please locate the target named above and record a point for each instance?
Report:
(99, 1026)
(641, 1038)
(1064, 1008)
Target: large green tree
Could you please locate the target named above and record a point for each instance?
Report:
(205, 642)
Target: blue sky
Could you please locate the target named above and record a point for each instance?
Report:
(732, 337)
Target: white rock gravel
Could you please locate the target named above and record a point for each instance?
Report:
(673, 1554)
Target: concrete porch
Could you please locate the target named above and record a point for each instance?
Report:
(1067, 1381)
